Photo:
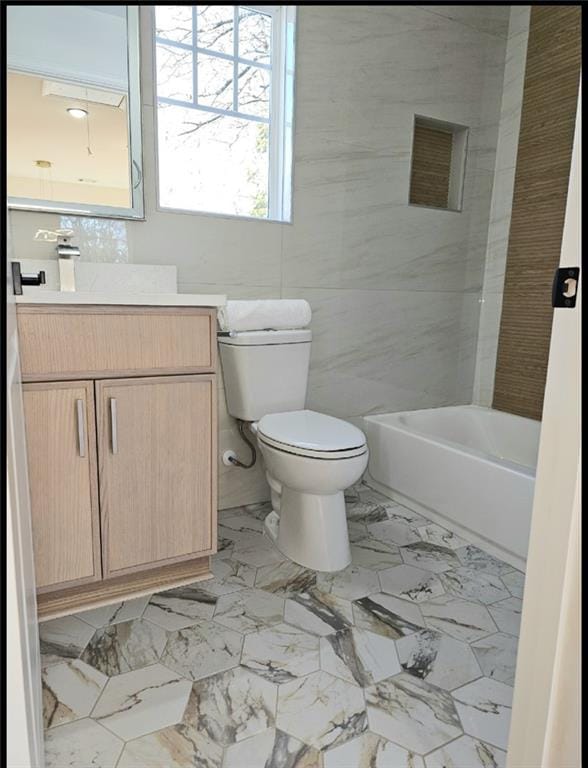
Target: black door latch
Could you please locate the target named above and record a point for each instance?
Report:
(565, 287)
(18, 280)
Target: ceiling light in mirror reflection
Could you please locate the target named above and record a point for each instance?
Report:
(92, 147)
(76, 112)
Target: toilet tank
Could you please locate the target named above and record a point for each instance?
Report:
(265, 372)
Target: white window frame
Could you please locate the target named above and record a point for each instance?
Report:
(279, 177)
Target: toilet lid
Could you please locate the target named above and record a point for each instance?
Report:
(311, 430)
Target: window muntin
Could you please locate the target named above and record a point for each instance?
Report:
(224, 94)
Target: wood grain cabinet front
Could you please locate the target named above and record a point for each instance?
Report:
(86, 342)
(157, 470)
(61, 448)
(121, 423)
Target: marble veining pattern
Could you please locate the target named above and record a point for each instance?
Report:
(136, 703)
(318, 612)
(359, 656)
(281, 653)
(431, 557)
(124, 647)
(438, 659)
(180, 608)
(70, 690)
(371, 751)
(507, 615)
(410, 583)
(231, 706)
(321, 710)
(412, 713)
(404, 659)
(466, 751)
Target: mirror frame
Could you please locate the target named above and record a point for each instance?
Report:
(137, 209)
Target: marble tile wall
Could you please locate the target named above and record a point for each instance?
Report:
(500, 211)
(394, 289)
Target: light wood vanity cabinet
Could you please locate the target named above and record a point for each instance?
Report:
(122, 460)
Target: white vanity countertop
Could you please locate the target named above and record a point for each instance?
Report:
(123, 298)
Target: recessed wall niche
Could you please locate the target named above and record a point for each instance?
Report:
(438, 164)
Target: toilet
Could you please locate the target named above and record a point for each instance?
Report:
(310, 458)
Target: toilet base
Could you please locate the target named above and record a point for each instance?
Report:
(311, 529)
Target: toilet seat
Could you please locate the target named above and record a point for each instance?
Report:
(312, 434)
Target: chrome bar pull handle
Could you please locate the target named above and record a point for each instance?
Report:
(113, 426)
(81, 428)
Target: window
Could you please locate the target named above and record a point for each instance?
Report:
(224, 94)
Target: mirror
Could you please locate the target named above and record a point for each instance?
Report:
(74, 113)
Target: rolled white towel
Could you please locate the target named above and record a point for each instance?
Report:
(264, 314)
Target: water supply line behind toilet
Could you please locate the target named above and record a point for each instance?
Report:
(229, 457)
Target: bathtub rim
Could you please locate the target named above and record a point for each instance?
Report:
(489, 458)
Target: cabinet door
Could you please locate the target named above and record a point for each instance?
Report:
(61, 448)
(157, 459)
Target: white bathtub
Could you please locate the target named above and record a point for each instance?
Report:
(469, 468)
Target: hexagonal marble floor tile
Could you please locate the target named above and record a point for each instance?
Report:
(466, 752)
(123, 647)
(438, 659)
(202, 650)
(507, 614)
(401, 528)
(115, 612)
(349, 584)
(412, 713)
(321, 710)
(373, 751)
(249, 610)
(462, 619)
(436, 534)
(231, 706)
(281, 653)
(180, 607)
(474, 584)
(257, 552)
(272, 748)
(366, 511)
(142, 701)
(431, 557)
(410, 583)
(285, 578)
(238, 522)
(228, 576)
(318, 612)
(387, 615)
(515, 583)
(173, 746)
(63, 638)
(359, 656)
(80, 744)
(497, 656)
(70, 690)
(484, 708)
(377, 555)
(474, 557)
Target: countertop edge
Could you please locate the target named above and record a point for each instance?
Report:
(135, 299)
